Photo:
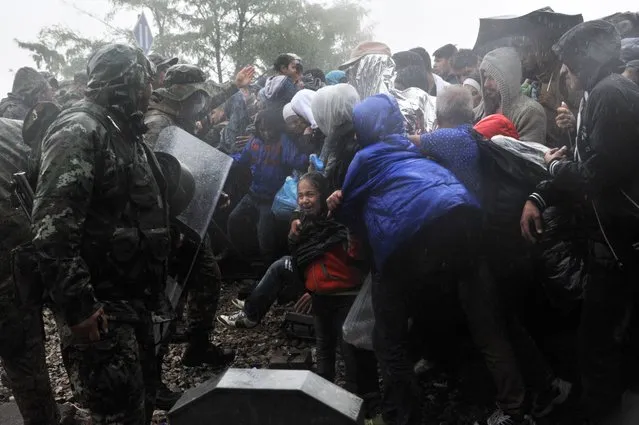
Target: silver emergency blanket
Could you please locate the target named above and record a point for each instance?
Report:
(528, 151)
(418, 109)
(375, 74)
(208, 166)
(371, 75)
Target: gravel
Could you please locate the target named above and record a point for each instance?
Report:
(446, 401)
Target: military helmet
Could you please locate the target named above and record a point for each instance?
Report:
(28, 83)
(161, 62)
(182, 81)
(118, 65)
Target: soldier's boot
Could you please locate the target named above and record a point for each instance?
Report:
(200, 351)
(165, 398)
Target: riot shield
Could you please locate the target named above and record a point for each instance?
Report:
(209, 168)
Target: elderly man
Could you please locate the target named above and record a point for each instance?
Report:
(501, 91)
(601, 183)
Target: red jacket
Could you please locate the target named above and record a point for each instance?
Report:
(336, 271)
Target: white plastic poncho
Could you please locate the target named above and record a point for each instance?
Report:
(301, 104)
(333, 106)
(333, 111)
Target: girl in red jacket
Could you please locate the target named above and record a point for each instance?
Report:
(327, 258)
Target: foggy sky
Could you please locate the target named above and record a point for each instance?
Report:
(402, 24)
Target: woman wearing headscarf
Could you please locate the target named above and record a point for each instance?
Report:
(333, 112)
(300, 122)
(473, 86)
(336, 77)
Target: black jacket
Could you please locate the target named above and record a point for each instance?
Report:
(604, 173)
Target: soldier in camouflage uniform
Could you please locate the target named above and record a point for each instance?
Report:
(21, 329)
(102, 238)
(72, 91)
(29, 88)
(179, 103)
(161, 65)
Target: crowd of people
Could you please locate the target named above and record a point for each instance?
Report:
(402, 176)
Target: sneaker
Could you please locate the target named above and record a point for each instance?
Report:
(237, 320)
(556, 395)
(502, 418)
(238, 303)
(166, 398)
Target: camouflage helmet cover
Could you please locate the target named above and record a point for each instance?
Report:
(118, 65)
(182, 81)
(28, 82)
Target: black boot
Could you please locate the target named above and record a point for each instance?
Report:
(165, 398)
(200, 351)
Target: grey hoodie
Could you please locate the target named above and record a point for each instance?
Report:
(529, 117)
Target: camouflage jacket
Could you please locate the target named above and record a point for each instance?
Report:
(13, 108)
(220, 93)
(14, 225)
(100, 217)
(157, 119)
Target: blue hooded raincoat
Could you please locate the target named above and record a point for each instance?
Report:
(390, 186)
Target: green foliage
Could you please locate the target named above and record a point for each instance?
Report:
(222, 35)
(61, 51)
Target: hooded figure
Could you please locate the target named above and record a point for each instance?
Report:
(504, 67)
(29, 87)
(278, 91)
(301, 105)
(405, 205)
(602, 183)
(333, 111)
(390, 171)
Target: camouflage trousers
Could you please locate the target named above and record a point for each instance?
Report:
(28, 374)
(115, 378)
(203, 288)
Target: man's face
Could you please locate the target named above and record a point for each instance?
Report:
(293, 70)
(464, 73)
(441, 66)
(158, 82)
(632, 74)
(572, 81)
(490, 89)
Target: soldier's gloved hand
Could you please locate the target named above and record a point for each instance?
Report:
(92, 327)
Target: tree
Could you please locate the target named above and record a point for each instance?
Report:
(222, 36)
(61, 51)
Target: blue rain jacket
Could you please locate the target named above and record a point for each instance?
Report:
(390, 187)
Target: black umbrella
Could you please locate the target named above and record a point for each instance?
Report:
(627, 23)
(541, 26)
